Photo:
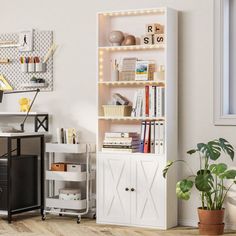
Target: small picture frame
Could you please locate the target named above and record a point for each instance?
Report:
(26, 41)
(4, 85)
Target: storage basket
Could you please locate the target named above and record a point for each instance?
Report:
(58, 166)
(117, 110)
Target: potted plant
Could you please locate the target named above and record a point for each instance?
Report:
(213, 180)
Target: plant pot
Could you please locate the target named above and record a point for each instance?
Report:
(211, 217)
(217, 229)
(211, 221)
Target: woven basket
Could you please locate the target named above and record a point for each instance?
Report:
(115, 110)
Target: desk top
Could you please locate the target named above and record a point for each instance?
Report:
(32, 113)
(23, 134)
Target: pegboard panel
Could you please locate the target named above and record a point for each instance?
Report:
(42, 41)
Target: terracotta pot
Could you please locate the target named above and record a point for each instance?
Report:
(211, 217)
(211, 229)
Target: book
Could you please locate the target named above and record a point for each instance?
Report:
(120, 146)
(120, 142)
(124, 150)
(121, 139)
(157, 134)
(152, 137)
(147, 138)
(121, 134)
(147, 101)
(142, 136)
(134, 105)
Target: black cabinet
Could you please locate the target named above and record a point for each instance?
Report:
(24, 182)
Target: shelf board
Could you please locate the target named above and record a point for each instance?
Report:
(132, 83)
(137, 154)
(68, 176)
(124, 118)
(65, 148)
(132, 47)
(55, 202)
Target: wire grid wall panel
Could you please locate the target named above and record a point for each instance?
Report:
(42, 41)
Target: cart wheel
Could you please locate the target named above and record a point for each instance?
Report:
(43, 217)
(94, 216)
(60, 214)
(78, 220)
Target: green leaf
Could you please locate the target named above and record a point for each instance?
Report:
(211, 150)
(204, 182)
(186, 185)
(190, 152)
(218, 169)
(169, 164)
(180, 194)
(229, 174)
(227, 147)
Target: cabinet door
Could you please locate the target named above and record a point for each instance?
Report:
(148, 198)
(113, 175)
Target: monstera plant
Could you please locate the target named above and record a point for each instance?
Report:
(213, 180)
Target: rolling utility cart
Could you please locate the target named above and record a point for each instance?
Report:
(82, 205)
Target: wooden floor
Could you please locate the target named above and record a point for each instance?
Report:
(32, 225)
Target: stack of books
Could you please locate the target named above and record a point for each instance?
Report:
(149, 102)
(125, 142)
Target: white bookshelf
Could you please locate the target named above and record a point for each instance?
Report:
(150, 200)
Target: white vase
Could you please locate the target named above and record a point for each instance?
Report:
(116, 38)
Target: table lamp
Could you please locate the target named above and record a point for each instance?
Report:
(31, 104)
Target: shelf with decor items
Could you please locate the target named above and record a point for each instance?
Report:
(137, 117)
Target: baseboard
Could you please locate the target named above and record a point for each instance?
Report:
(187, 222)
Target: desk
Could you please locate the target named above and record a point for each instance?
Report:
(19, 190)
(40, 118)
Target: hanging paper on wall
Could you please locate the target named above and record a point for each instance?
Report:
(26, 41)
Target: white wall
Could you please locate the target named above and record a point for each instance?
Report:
(73, 102)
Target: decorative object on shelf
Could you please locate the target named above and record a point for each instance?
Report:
(129, 40)
(154, 29)
(117, 110)
(114, 70)
(159, 75)
(4, 61)
(50, 52)
(31, 104)
(116, 38)
(144, 70)
(210, 181)
(24, 104)
(4, 85)
(67, 135)
(154, 34)
(70, 194)
(59, 166)
(26, 41)
(118, 99)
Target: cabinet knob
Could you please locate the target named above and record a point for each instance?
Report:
(126, 189)
(132, 189)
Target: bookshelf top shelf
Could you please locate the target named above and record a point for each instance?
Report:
(129, 118)
(134, 12)
(132, 83)
(132, 47)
